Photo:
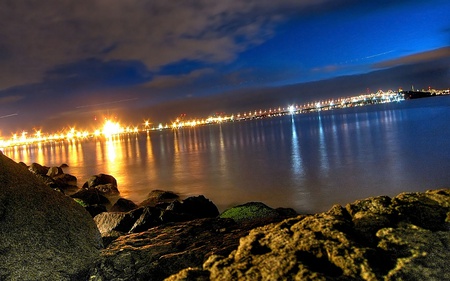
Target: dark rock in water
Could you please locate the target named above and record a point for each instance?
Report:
(286, 212)
(54, 171)
(38, 169)
(65, 181)
(200, 207)
(45, 235)
(403, 238)
(106, 184)
(156, 197)
(107, 189)
(64, 165)
(197, 207)
(123, 205)
(249, 212)
(91, 196)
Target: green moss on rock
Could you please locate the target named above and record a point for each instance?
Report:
(249, 211)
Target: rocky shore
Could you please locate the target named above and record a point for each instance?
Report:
(53, 230)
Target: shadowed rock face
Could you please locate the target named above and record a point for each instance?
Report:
(44, 235)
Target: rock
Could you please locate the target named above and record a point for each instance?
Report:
(249, 212)
(123, 205)
(197, 207)
(403, 238)
(156, 197)
(45, 235)
(113, 222)
(95, 209)
(91, 197)
(65, 181)
(54, 171)
(106, 184)
(166, 249)
(190, 274)
(38, 169)
(64, 165)
(149, 217)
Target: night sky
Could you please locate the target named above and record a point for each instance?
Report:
(72, 63)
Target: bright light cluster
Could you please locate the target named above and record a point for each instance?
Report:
(109, 129)
(198, 122)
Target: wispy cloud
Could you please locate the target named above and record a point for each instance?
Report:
(441, 53)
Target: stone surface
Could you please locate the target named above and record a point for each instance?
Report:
(91, 197)
(403, 238)
(166, 249)
(104, 183)
(156, 197)
(54, 171)
(44, 235)
(196, 206)
(249, 212)
(38, 169)
(123, 205)
(65, 181)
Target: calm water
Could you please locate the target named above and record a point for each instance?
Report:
(308, 162)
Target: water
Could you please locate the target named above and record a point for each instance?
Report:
(308, 162)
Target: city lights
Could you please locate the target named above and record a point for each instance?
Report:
(111, 129)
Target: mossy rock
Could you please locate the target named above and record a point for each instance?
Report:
(249, 212)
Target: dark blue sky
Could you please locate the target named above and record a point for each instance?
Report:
(63, 63)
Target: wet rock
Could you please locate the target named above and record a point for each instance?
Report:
(45, 235)
(38, 169)
(54, 171)
(91, 197)
(156, 197)
(123, 205)
(65, 181)
(104, 183)
(197, 207)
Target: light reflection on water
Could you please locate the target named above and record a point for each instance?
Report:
(308, 162)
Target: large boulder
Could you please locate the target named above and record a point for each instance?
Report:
(45, 235)
(403, 238)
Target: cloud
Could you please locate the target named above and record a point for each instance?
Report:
(171, 81)
(441, 53)
(37, 36)
(10, 99)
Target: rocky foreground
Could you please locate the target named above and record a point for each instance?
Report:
(46, 235)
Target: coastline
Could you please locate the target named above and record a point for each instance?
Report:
(401, 237)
